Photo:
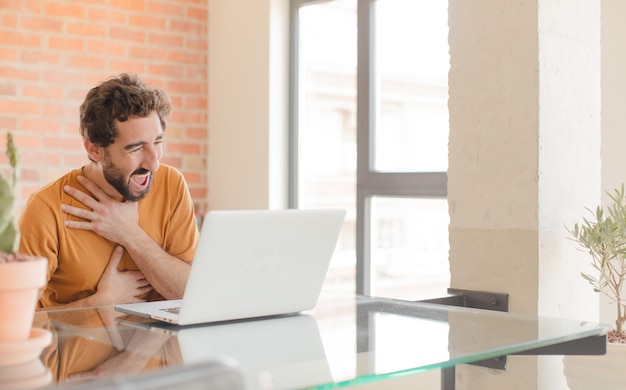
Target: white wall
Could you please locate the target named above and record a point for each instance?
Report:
(248, 81)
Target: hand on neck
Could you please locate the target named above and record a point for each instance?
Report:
(93, 172)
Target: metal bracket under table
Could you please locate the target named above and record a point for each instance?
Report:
(594, 345)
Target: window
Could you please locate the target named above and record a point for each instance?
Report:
(369, 133)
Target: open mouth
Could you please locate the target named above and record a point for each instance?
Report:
(140, 182)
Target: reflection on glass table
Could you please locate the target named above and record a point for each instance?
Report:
(346, 340)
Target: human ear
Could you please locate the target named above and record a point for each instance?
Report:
(95, 152)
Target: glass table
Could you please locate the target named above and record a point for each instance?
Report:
(346, 340)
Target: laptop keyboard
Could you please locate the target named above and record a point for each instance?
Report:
(174, 310)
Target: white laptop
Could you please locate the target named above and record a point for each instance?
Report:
(252, 263)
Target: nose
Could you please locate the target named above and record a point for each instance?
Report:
(152, 156)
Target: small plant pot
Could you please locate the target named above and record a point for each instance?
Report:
(595, 372)
(21, 278)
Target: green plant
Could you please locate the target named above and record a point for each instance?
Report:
(9, 233)
(604, 237)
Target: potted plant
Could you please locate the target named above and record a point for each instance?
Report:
(21, 276)
(603, 236)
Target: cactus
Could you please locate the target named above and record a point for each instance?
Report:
(9, 233)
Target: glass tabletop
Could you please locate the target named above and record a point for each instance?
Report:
(345, 340)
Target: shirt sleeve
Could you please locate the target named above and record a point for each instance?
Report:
(38, 233)
(182, 237)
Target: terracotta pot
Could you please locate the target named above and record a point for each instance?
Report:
(21, 278)
(604, 372)
(27, 375)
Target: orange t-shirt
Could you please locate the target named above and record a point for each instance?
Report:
(77, 258)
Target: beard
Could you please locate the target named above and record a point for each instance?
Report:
(115, 177)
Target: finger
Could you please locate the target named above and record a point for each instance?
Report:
(143, 283)
(79, 376)
(92, 187)
(81, 196)
(77, 211)
(137, 275)
(144, 289)
(114, 261)
(79, 225)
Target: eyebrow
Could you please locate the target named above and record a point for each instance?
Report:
(140, 143)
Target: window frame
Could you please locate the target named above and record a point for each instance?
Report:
(370, 183)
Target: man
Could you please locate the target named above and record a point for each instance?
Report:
(122, 228)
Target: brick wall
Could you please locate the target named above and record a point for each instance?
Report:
(53, 51)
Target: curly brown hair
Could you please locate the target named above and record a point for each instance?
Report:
(119, 98)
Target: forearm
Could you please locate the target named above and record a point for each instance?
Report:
(167, 274)
(90, 301)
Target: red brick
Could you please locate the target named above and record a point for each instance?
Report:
(27, 174)
(75, 160)
(18, 73)
(199, 193)
(172, 160)
(192, 177)
(85, 61)
(162, 39)
(41, 23)
(200, 13)
(40, 57)
(43, 92)
(25, 141)
(56, 142)
(200, 133)
(128, 5)
(8, 122)
(58, 76)
(20, 38)
(177, 70)
(145, 52)
(169, 9)
(183, 147)
(197, 43)
(199, 73)
(90, 3)
(188, 27)
(86, 29)
(33, 7)
(17, 107)
(8, 21)
(197, 102)
(78, 94)
(59, 109)
(8, 54)
(38, 124)
(127, 34)
(11, 5)
(8, 88)
(109, 16)
(64, 9)
(120, 66)
(187, 117)
(66, 43)
(147, 21)
(108, 47)
(187, 57)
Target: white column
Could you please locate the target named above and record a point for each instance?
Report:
(524, 161)
(248, 89)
